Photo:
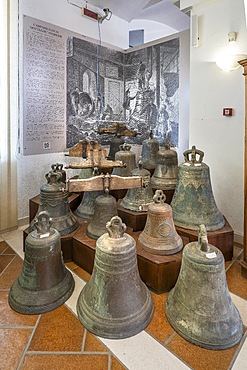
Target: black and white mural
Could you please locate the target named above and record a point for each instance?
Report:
(139, 88)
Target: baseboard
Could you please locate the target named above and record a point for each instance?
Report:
(239, 239)
(23, 221)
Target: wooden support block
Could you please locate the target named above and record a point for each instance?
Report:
(222, 239)
(132, 219)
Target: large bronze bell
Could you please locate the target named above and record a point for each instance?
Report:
(54, 200)
(166, 170)
(138, 199)
(150, 148)
(199, 307)
(105, 209)
(193, 201)
(44, 282)
(115, 146)
(115, 303)
(159, 235)
(128, 158)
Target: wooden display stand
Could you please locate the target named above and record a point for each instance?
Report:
(158, 272)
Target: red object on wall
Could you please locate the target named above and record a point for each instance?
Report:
(227, 111)
(90, 14)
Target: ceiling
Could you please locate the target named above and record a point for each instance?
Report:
(163, 11)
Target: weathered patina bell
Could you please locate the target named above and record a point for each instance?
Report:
(44, 282)
(115, 303)
(128, 158)
(138, 199)
(86, 207)
(54, 200)
(199, 307)
(105, 209)
(166, 170)
(193, 202)
(115, 146)
(150, 148)
(159, 235)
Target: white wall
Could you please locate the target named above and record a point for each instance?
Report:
(211, 89)
(152, 30)
(32, 169)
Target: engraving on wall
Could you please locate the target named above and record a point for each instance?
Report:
(44, 121)
(139, 87)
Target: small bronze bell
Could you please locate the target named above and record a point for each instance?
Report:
(44, 282)
(150, 148)
(54, 200)
(115, 303)
(86, 207)
(115, 146)
(105, 209)
(199, 307)
(159, 235)
(138, 199)
(166, 169)
(128, 158)
(193, 201)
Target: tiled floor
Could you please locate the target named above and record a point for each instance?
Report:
(57, 340)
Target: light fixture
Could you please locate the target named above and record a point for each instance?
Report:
(228, 60)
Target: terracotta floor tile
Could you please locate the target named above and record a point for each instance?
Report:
(159, 327)
(11, 273)
(12, 344)
(200, 358)
(9, 317)
(58, 330)
(116, 365)
(82, 274)
(92, 344)
(4, 261)
(9, 250)
(62, 362)
(3, 246)
(237, 284)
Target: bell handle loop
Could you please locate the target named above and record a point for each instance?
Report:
(42, 223)
(190, 155)
(159, 197)
(140, 163)
(115, 227)
(125, 147)
(53, 177)
(202, 239)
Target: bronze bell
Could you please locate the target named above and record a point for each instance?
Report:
(199, 307)
(166, 170)
(44, 282)
(159, 235)
(86, 207)
(115, 146)
(193, 201)
(115, 303)
(128, 158)
(105, 209)
(138, 199)
(150, 148)
(54, 200)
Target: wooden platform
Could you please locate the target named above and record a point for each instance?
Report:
(158, 272)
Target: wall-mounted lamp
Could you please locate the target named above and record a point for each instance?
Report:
(228, 60)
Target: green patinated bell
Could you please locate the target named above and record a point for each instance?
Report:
(105, 208)
(199, 307)
(128, 158)
(115, 146)
(44, 282)
(54, 200)
(150, 148)
(138, 199)
(193, 201)
(115, 303)
(166, 169)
